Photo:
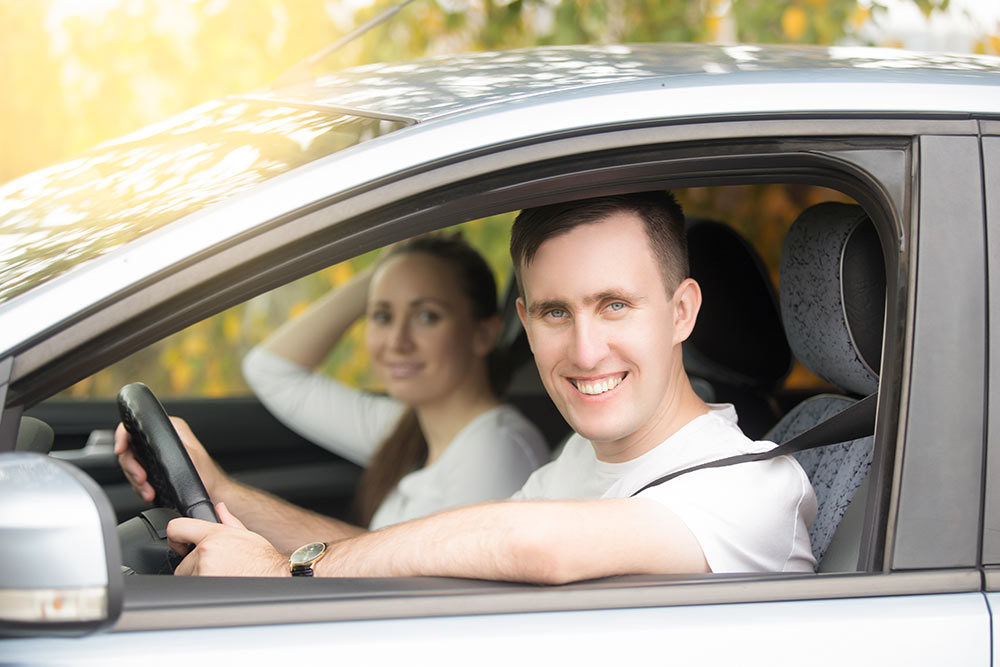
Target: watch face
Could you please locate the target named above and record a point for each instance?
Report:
(307, 553)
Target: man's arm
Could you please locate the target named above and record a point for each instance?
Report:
(286, 526)
(541, 542)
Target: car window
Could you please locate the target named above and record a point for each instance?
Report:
(203, 360)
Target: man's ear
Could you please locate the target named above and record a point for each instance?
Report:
(487, 335)
(687, 303)
(522, 314)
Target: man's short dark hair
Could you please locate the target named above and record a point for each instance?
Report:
(659, 211)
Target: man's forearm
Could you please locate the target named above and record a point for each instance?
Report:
(481, 541)
(539, 542)
(285, 525)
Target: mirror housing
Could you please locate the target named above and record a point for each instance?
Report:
(60, 561)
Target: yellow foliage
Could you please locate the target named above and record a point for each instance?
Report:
(180, 378)
(195, 345)
(819, 4)
(859, 17)
(231, 327)
(712, 23)
(215, 388)
(340, 273)
(170, 356)
(794, 23)
(994, 42)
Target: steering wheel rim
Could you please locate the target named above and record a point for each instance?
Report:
(162, 454)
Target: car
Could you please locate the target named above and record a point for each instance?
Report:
(869, 178)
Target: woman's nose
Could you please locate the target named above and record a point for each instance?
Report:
(401, 338)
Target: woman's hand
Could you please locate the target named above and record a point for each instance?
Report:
(211, 474)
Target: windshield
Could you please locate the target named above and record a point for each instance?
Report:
(60, 216)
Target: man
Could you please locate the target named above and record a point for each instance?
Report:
(606, 304)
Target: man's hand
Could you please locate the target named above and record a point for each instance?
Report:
(224, 549)
(210, 473)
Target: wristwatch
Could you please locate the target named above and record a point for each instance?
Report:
(301, 562)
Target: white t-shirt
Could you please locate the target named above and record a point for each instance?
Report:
(748, 517)
(489, 459)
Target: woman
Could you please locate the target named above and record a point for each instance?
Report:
(442, 437)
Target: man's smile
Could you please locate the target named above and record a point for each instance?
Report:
(593, 387)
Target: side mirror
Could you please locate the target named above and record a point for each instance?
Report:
(60, 563)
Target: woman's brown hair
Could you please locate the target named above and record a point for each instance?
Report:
(405, 449)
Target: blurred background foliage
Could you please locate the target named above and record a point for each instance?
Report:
(78, 72)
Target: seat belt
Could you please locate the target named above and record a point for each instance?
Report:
(854, 422)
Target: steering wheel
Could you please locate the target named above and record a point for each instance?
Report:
(179, 489)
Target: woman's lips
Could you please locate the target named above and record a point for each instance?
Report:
(402, 370)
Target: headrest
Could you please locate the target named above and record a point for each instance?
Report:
(738, 338)
(34, 435)
(833, 295)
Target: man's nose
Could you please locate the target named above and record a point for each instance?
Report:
(589, 345)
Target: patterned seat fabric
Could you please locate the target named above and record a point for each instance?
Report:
(833, 310)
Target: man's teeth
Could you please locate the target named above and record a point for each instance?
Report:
(598, 387)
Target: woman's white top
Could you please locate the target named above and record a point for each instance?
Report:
(489, 459)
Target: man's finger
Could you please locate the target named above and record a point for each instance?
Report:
(121, 439)
(227, 518)
(186, 567)
(183, 530)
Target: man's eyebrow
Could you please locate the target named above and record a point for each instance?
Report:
(539, 308)
(613, 295)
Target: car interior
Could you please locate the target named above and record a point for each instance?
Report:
(791, 332)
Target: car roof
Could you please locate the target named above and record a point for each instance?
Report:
(430, 88)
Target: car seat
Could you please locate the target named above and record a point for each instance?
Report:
(833, 307)
(737, 352)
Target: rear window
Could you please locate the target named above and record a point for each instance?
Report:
(55, 218)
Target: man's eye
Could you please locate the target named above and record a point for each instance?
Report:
(556, 314)
(616, 306)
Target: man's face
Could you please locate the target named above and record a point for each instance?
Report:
(604, 331)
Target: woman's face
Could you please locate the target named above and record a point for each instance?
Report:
(420, 333)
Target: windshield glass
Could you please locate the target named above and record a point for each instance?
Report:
(60, 216)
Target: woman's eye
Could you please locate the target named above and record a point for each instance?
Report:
(428, 317)
(381, 317)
